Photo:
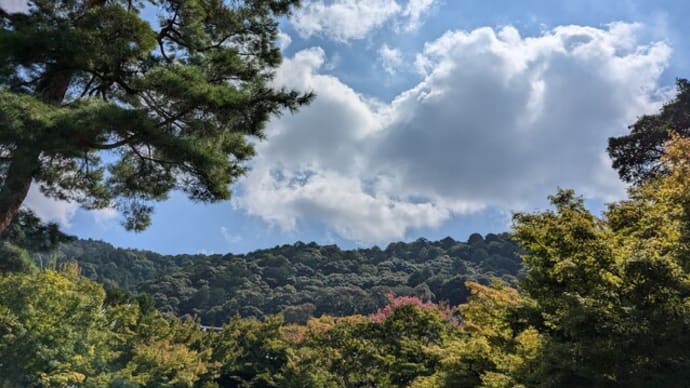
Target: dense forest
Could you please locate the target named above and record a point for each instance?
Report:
(566, 299)
(300, 280)
(603, 302)
(600, 301)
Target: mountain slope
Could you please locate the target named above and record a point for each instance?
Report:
(299, 280)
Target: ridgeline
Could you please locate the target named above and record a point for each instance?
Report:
(299, 280)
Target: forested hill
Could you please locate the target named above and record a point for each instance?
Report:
(116, 267)
(300, 280)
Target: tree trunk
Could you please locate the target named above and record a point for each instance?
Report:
(16, 185)
(53, 84)
(51, 88)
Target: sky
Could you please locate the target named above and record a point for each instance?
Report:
(433, 118)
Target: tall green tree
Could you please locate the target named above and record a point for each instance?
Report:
(637, 155)
(101, 107)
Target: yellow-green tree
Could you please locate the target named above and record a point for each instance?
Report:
(495, 348)
(56, 331)
(52, 329)
(611, 294)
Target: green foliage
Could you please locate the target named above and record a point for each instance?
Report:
(162, 364)
(116, 268)
(637, 155)
(14, 258)
(172, 102)
(51, 328)
(55, 331)
(300, 280)
(27, 233)
(496, 347)
(611, 295)
(251, 352)
(356, 351)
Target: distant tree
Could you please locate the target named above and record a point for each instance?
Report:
(171, 104)
(475, 239)
(636, 155)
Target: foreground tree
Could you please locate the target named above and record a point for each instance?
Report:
(51, 329)
(612, 296)
(58, 329)
(495, 347)
(172, 105)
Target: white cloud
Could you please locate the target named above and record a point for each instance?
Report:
(228, 236)
(343, 20)
(391, 59)
(48, 209)
(102, 216)
(62, 212)
(284, 40)
(414, 11)
(498, 121)
(14, 6)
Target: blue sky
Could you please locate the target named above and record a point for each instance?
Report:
(433, 118)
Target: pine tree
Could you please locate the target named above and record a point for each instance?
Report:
(101, 107)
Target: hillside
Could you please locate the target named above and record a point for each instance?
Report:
(299, 280)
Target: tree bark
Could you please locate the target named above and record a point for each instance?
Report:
(25, 164)
(16, 186)
(53, 84)
(51, 88)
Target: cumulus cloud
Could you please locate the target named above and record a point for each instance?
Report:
(14, 6)
(284, 40)
(391, 58)
(498, 121)
(345, 20)
(414, 11)
(48, 209)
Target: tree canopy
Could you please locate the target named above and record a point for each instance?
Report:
(299, 280)
(103, 107)
(604, 302)
(637, 155)
(99, 107)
